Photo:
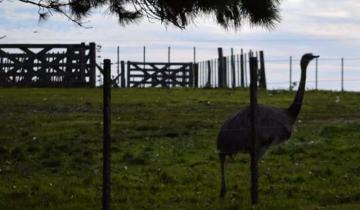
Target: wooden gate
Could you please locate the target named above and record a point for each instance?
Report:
(47, 65)
(159, 74)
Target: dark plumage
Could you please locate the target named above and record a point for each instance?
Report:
(274, 126)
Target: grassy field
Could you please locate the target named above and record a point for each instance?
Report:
(163, 151)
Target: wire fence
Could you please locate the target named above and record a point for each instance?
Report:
(339, 74)
(322, 74)
(325, 73)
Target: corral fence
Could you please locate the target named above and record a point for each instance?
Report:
(74, 65)
(230, 71)
(224, 72)
(324, 73)
(48, 65)
(160, 74)
(152, 74)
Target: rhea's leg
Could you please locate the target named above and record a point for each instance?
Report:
(222, 165)
(260, 153)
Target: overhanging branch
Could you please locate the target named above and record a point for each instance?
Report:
(49, 5)
(54, 6)
(229, 13)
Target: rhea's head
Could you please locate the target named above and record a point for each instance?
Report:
(306, 58)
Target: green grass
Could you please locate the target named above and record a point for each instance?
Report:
(163, 151)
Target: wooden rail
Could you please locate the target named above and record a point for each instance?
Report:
(47, 65)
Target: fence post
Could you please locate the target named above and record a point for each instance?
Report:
(92, 55)
(233, 68)
(262, 70)
(169, 52)
(123, 85)
(118, 65)
(107, 135)
(208, 84)
(144, 55)
(215, 72)
(224, 76)
(245, 70)
(290, 74)
(220, 67)
(342, 74)
(238, 69)
(253, 107)
(242, 68)
(200, 74)
(316, 73)
(196, 75)
(191, 75)
(82, 62)
(128, 74)
(194, 54)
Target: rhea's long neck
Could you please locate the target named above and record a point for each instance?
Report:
(295, 107)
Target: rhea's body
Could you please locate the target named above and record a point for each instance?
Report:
(273, 126)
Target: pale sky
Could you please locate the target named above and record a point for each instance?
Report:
(329, 28)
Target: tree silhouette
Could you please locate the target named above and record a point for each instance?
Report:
(227, 13)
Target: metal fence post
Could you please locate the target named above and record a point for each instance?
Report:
(342, 74)
(290, 74)
(118, 65)
(316, 73)
(144, 55)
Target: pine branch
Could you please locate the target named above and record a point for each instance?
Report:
(56, 6)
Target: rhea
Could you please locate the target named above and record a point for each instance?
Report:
(274, 126)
